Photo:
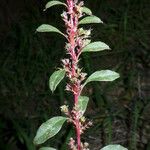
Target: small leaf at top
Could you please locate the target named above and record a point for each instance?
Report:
(82, 104)
(103, 75)
(53, 3)
(114, 147)
(95, 46)
(86, 10)
(47, 148)
(90, 19)
(56, 78)
(48, 129)
(48, 28)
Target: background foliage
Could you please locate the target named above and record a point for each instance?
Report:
(120, 109)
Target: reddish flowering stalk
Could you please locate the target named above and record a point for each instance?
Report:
(73, 47)
(76, 41)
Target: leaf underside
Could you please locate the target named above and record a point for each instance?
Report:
(53, 3)
(114, 147)
(82, 103)
(95, 47)
(47, 148)
(86, 10)
(48, 28)
(103, 75)
(90, 19)
(56, 78)
(48, 129)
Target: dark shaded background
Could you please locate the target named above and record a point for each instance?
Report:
(120, 110)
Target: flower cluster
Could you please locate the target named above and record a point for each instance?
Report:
(84, 146)
(77, 39)
(74, 114)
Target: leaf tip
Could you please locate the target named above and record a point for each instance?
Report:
(99, 20)
(109, 48)
(117, 76)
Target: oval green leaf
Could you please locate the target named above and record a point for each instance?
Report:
(114, 147)
(47, 148)
(82, 104)
(90, 19)
(56, 78)
(95, 46)
(48, 129)
(48, 28)
(103, 75)
(86, 10)
(53, 3)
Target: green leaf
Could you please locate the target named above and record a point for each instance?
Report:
(82, 103)
(86, 10)
(56, 78)
(48, 129)
(90, 19)
(95, 46)
(103, 75)
(114, 147)
(53, 3)
(47, 148)
(48, 28)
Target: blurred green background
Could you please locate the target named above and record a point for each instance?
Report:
(120, 110)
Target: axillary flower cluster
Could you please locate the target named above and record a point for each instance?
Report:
(78, 42)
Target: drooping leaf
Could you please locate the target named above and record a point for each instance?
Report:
(103, 75)
(48, 129)
(47, 148)
(53, 3)
(114, 147)
(56, 78)
(82, 103)
(48, 28)
(95, 46)
(86, 10)
(90, 19)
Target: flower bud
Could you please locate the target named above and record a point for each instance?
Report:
(81, 31)
(82, 119)
(64, 15)
(64, 109)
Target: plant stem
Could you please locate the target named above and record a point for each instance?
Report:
(71, 21)
(72, 32)
(77, 126)
(78, 135)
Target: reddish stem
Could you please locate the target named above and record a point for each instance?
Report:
(77, 125)
(71, 38)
